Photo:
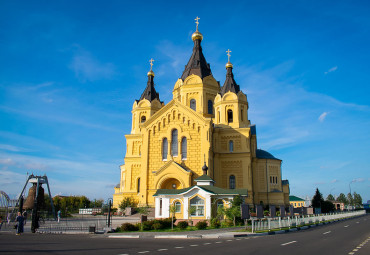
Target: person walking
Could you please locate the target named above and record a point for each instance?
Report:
(59, 215)
(20, 221)
(25, 217)
(1, 221)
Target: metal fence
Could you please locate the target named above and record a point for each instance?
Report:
(268, 224)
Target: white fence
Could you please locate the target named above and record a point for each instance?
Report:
(297, 221)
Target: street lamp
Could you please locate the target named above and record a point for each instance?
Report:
(351, 194)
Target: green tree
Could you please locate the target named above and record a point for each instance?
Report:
(342, 198)
(327, 206)
(357, 199)
(97, 203)
(233, 213)
(330, 197)
(350, 199)
(127, 202)
(143, 210)
(191, 211)
(317, 199)
(237, 201)
(172, 212)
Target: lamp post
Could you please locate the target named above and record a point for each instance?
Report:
(351, 194)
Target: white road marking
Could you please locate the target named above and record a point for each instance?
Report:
(229, 240)
(355, 250)
(238, 239)
(194, 245)
(288, 243)
(162, 250)
(357, 222)
(123, 254)
(143, 251)
(346, 226)
(326, 233)
(206, 243)
(179, 247)
(351, 253)
(218, 242)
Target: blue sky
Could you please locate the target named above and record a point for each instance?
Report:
(71, 70)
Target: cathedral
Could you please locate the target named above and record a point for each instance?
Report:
(201, 138)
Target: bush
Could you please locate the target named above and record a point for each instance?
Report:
(157, 226)
(128, 227)
(182, 224)
(201, 225)
(227, 223)
(167, 222)
(147, 225)
(215, 223)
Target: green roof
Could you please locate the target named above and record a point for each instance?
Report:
(208, 188)
(204, 177)
(264, 154)
(294, 198)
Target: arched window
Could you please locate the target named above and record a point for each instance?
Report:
(138, 185)
(241, 114)
(184, 148)
(230, 116)
(210, 107)
(198, 204)
(164, 149)
(143, 119)
(178, 207)
(193, 104)
(232, 182)
(231, 146)
(174, 147)
(218, 117)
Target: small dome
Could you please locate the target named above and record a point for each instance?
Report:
(197, 36)
(151, 73)
(229, 65)
(205, 168)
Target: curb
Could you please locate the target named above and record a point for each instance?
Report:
(172, 236)
(123, 236)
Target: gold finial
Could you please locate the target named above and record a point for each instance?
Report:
(197, 22)
(197, 35)
(151, 67)
(228, 59)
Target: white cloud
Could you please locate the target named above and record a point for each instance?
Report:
(358, 180)
(333, 69)
(323, 116)
(334, 181)
(87, 68)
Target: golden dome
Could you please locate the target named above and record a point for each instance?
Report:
(197, 36)
(151, 73)
(229, 65)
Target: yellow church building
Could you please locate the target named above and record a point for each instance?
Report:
(204, 124)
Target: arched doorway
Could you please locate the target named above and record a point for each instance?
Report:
(171, 183)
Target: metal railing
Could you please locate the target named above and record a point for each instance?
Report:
(268, 224)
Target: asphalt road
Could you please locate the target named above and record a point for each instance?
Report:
(345, 237)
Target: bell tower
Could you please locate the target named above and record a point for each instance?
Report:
(148, 104)
(231, 103)
(197, 88)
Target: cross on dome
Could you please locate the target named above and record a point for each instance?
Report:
(151, 63)
(228, 55)
(197, 22)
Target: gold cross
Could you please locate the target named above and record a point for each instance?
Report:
(197, 22)
(228, 55)
(151, 63)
